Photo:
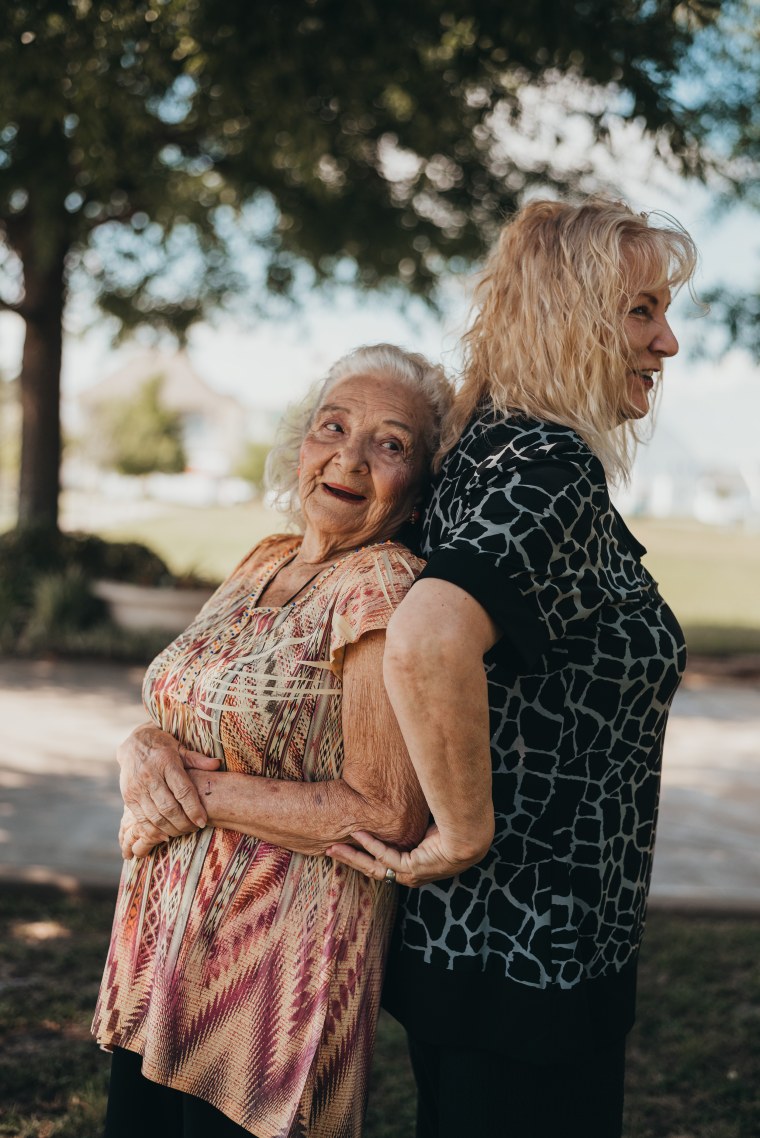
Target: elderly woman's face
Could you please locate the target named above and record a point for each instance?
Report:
(362, 464)
(651, 339)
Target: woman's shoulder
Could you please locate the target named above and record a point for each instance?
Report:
(375, 576)
(497, 442)
(384, 562)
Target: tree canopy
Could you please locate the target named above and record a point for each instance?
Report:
(377, 142)
(727, 59)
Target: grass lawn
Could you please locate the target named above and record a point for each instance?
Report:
(208, 542)
(711, 579)
(694, 1069)
(708, 575)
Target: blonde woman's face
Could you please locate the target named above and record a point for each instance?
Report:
(651, 340)
(363, 461)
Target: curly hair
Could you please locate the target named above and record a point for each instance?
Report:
(548, 336)
(384, 360)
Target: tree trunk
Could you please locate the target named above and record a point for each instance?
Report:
(41, 393)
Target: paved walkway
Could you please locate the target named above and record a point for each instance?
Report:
(59, 799)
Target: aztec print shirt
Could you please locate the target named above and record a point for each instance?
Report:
(243, 973)
(536, 944)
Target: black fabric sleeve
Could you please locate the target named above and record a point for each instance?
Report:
(527, 545)
(523, 632)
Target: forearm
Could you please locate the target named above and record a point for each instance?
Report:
(437, 686)
(303, 816)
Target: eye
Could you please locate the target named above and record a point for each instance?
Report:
(641, 310)
(392, 445)
(332, 426)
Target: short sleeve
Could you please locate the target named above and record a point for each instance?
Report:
(527, 548)
(371, 586)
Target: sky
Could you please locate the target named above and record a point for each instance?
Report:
(709, 408)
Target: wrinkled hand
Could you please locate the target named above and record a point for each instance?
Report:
(154, 781)
(137, 839)
(429, 861)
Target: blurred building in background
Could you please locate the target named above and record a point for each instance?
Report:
(669, 481)
(216, 431)
(219, 430)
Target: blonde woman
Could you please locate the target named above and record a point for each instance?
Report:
(531, 669)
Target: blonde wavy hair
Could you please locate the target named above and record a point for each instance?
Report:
(548, 337)
(381, 360)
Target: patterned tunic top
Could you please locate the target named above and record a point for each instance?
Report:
(243, 973)
(534, 948)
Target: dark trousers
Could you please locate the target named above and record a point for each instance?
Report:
(464, 1092)
(139, 1108)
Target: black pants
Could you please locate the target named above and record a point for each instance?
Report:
(139, 1108)
(464, 1092)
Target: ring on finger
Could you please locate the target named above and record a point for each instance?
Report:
(390, 876)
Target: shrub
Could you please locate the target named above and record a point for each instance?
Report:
(62, 603)
(45, 597)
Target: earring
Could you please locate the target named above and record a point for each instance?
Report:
(415, 515)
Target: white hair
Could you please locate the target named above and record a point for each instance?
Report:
(387, 360)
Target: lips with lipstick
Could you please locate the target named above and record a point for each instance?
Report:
(335, 490)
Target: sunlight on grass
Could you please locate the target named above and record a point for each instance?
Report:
(709, 576)
(208, 542)
(34, 931)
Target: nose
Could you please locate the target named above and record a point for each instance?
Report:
(352, 455)
(664, 342)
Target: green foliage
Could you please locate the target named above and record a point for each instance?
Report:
(45, 601)
(62, 602)
(251, 463)
(140, 435)
(132, 133)
(25, 553)
(725, 71)
(167, 156)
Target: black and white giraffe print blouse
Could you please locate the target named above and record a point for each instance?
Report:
(545, 930)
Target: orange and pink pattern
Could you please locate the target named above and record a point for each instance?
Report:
(244, 973)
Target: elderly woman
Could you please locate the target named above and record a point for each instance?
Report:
(536, 624)
(242, 985)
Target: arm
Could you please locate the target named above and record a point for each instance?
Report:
(378, 789)
(155, 785)
(437, 686)
(537, 520)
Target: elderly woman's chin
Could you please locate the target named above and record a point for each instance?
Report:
(344, 529)
(350, 524)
